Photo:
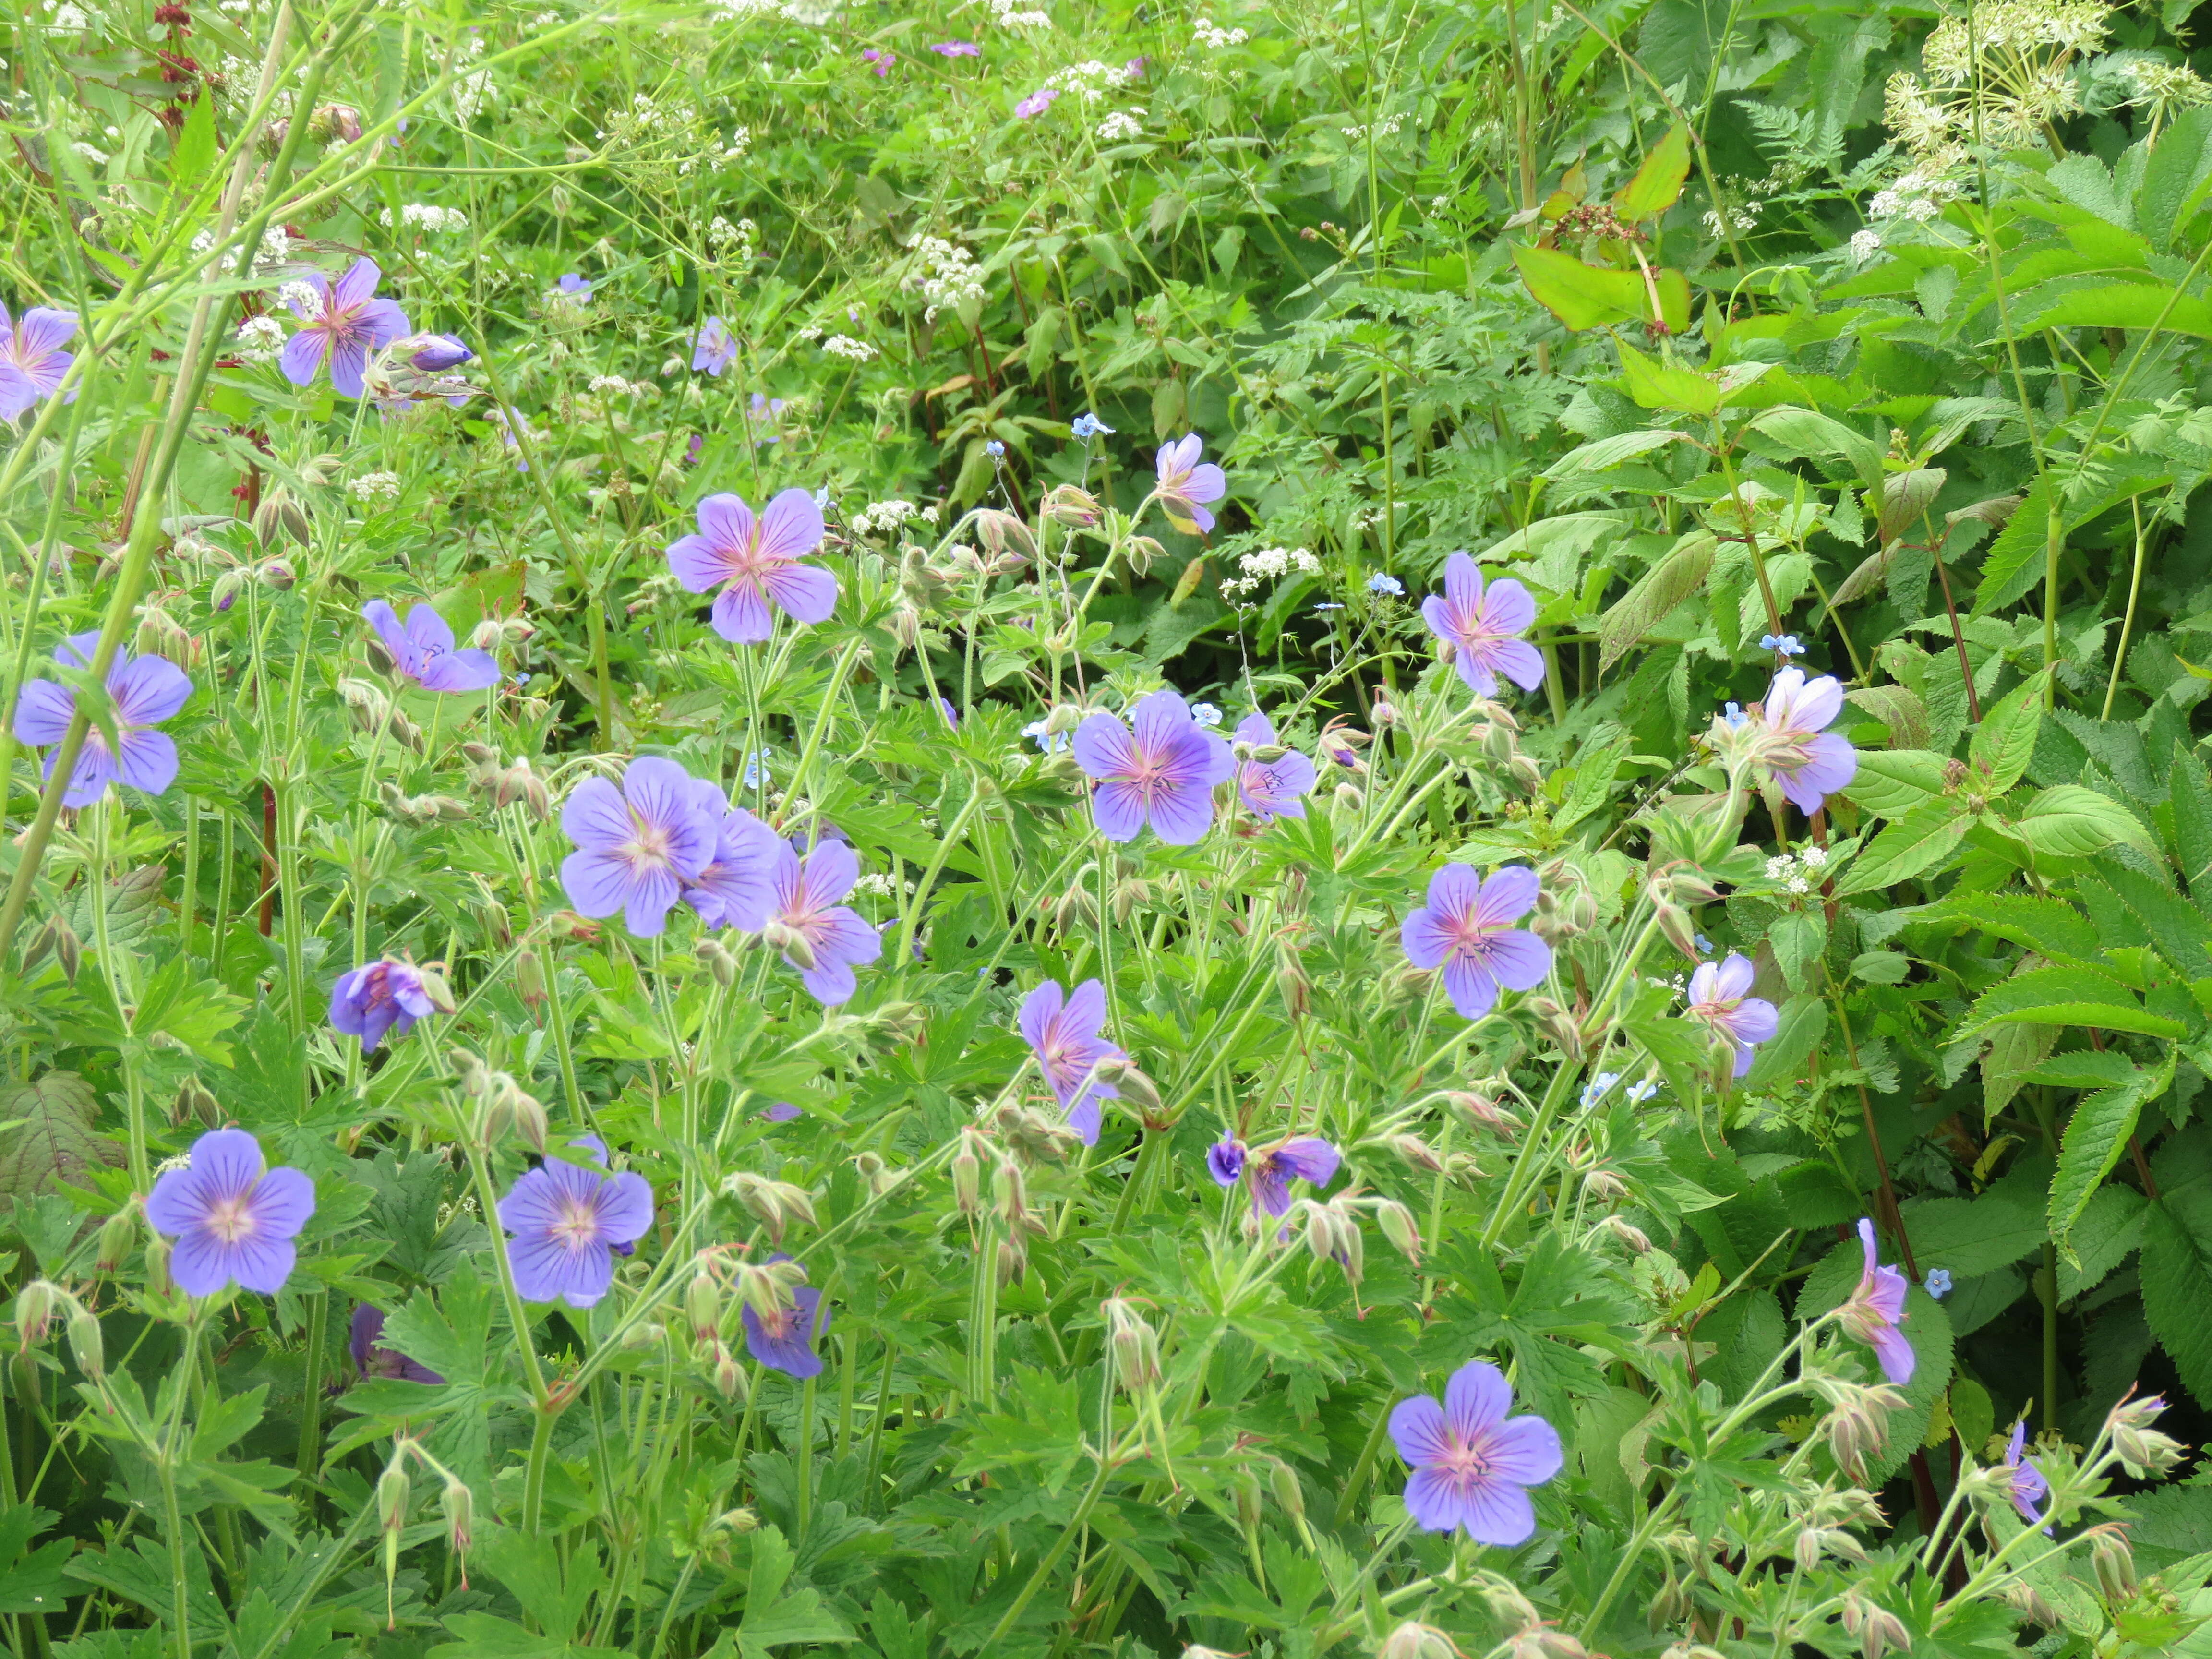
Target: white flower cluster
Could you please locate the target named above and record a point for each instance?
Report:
(645, 120)
(878, 518)
(1007, 15)
(91, 152)
(374, 489)
(741, 141)
(1213, 37)
(1739, 219)
(1121, 125)
(259, 339)
(878, 883)
(1089, 80)
(1786, 869)
(1267, 564)
(732, 243)
(1915, 197)
(811, 333)
(1865, 243)
(844, 345)
(301, 299)
(425, 215)
(472, 93)
(275, 250)
(1383, 129)
(69, 18)
(2003, 77)
(946, 274)
(613, 386)
(2161, 85)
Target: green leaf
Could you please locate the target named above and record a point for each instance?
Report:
(2096, 1135)
(2127, 305)
(1804, 1021)
(1897, 706)
(2176, 1264)
(1977, 1236)
(1657, 185)
(33, 1580)
(193, 1013)
(1911, 846)
(2068, 821)
(774, 1619)
(1608, 453)
(2005, 742)
(53, 1140)
(2048, 926)
(1890, 782)
(1805, 432)
(2013, 1051)
(1587, 296)
(1645, 607)
(2178, 930)
(2176, 177)
(2069, 996)
(1798, 937)
(1655, 385)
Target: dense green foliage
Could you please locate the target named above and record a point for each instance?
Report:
(1872, 341)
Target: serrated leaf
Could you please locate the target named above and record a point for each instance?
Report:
(1608, 453)
(2175, 1265)
(53, 1140)
(1655, 385)
(2048, 926)
(2069, 821)
(1897, 706)
(2069, 996)
(2095, 1137)
(1806, 432)
(2005, 742)
(1645, 607)
(1911, 846)
(1890, 782)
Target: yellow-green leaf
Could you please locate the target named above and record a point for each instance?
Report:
(1657, 185)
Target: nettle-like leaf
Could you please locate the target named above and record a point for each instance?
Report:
(53, 1139)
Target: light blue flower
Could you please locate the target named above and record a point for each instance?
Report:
(1595, 1089)
(1320, 608)
(821, 498)
(1704, 944)
(994, 448)
(1787, 645)
(1639, 1092)
(1734, 714)
(1382, 582)
(1938, 1282)
(1088, 426)
(753, 763)
(1051, 743)
(1205, 714)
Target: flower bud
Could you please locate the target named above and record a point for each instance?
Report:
(1076, 508)
(1283, 1483)
(196, 1102)
(1479, 1111)
(1011, 1264)
(59, 938)
(393, 1491)
(117, 1234)
(1879, 1632)
(1638, 1242)
(968, 1175)
(2113, 1561)
(2143, 1450)
(1063, 718)
(1674, 922)
(1002, 532)
(1010, 1191)
(781, 936)
(1416, 1154)
(86, 1346)
(703, 1303)
(1413, 1640)
(224, 593)
(158, 1282)
(776, 1204)
(1559, 1024)
(160, 635)
(459, 1504)
(1349, 797)
(1399, 1228)
(367, 702)
(1134, 1344)
(520, 786)
(35, 1305)
(719, 963)
(441, 994)
(530, 978)
(729, 1375)
(1385, 711)
(1604, 1186)
(2022, 1598)
(275, 573)
(876, 1175)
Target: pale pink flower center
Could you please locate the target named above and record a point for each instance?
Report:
(1464, 1461)
(578, 1225)
(232, 1219)
(1469, 933)
(649, 844)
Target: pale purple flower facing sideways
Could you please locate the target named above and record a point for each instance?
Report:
(712, 347)
(755, 563)
(233, 1218)
(1066, 1031)
(566, 1225)
(1808, 762)
(32, 360)
(384, 996)
(1472, 1464)
(738, 884)
(422, 650)
(1276, 789)
(1480, 624)
(344, 321)
(1876, 1309)
(637, 846)
(832, 939)
(2028, 1486)
(785, 1341)
(372, 1359)
(1161, 773)
(1186, 483)
(1269, 1170)
(1720, 995)
(144, 691)
(1467, 929)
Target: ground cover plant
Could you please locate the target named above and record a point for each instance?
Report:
(1019, 829)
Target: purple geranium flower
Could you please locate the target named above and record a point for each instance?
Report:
(1472, 1463)
(233, 1217)
(1720, 995)
(882, 60)
(372, 1359)
(736, 886)
(782, 1112)
(1808, 762)
(1466, 927)
(1036, 103)
(423, 650)
(145, 692)
(575, 285)
(957, 49)
(1275, 788)
(1269, 1170)
(712, 347)
(2029, 1488)
(32, 360)
(1186, 483)
(569, 1223)
(1480, 624)
(440, 352)
(637, 847)
(1876, 1309)
(785, 1341)
(755, 561)
(1163, 774)
(1065, 1032)
(371, 1001)
(836, 937)
(347, 322)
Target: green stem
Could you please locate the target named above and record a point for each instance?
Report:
(311, 1405)
(1349, 1500)
(805, 1470)
(1076, 1522)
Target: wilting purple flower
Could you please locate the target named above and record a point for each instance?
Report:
(1720, 995)
(372, 1359)
(1162, 774)
(766, 412)
(347, 321)
(712, 347)
(32, 360)
(371, 1001)
(1036, 103)
(1275, 788)
(145, 692)
(782, 1112)
(232, 1217)
(423, 650)
(1480, 624)
(440, 353)
(1186, 483)
(882, 60)
(951, 714)
(636, 848)
(1468, 927)
(755, 561)
(736, 886)
(576, 286)
(2029, 1488)
(1472, 1463)
(1065, 1030)
(785, 1341)
(568, 1224)
(1269, 1170)
(693, 450)
(1876, 1309)
(836, 937)
(957, 49)
(1808, 762)
(510, 422)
